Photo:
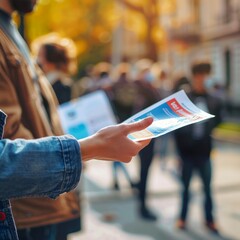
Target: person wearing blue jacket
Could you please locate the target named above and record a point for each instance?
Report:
(56, 164)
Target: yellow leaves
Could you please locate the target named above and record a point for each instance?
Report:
(82, 46)
(67, 16)
(105, 37)
(157, 34)
(167, 6)
(90, 23)
(112, 17)
(89, 2)
(43, 2)
(135, 22)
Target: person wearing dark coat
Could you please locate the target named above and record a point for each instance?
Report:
(194, 143)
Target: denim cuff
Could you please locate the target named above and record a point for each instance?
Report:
(72, 162)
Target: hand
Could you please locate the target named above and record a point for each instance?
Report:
(112, 143)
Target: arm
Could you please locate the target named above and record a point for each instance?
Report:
(43, 167)
(50, 166)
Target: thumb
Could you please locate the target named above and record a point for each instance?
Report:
(140, 125)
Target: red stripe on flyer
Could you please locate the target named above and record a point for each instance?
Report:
(177, 108)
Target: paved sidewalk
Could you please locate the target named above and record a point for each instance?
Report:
(113, 215)
(226, 168)
(116, 219)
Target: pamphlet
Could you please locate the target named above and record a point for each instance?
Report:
(86, 115)
(169, 114)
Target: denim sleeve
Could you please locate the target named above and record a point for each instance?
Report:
(43, 167)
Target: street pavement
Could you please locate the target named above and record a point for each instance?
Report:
(111, 215)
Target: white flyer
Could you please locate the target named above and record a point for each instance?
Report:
(84, 116)
(169, 114)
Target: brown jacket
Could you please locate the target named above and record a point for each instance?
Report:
(20, 100)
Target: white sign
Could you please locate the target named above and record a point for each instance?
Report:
(86, 115)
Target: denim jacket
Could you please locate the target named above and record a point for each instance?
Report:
(55, 168)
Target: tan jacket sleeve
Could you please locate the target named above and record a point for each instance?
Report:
(9, 101)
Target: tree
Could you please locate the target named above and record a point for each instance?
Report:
(88, 23)
(150, 11)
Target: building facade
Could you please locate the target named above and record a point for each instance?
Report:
(203, 29)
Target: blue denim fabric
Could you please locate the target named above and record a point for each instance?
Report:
(2, 122)
(55, 168)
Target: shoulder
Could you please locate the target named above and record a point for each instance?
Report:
(9, 52)
(5, 42)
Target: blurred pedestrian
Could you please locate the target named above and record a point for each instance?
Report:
(129, 97)
(103, 76)
(146, 95)
(162, 79)
(194, 144)
(182, 83)
(54, 61)
(105, 82)
(123, 91)
(163, 84)
(31, 106)
(116, 167)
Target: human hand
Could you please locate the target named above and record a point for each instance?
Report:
(112, 142)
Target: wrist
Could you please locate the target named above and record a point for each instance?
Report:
(88, 148)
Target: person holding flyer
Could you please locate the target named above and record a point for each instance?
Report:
(194, 144)
(51, 166)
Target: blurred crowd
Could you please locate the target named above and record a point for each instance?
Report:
(131, 87)
(32, 91)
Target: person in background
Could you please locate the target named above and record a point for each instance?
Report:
(104, 82)
(121, 96)
(129, 97)
(162, 79)
(103, 78)
(163, 83)
(116, 167)
(56, 168)
(182, 83)
(85, 84)
(146, 95)
(194, 143)
(53, 59)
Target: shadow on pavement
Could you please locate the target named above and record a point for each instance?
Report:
(120, 211)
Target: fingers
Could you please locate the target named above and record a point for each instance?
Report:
(105, 143)
(135, 150)
(138, 126)
(144, 143)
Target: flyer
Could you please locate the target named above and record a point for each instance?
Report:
(169, 114)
